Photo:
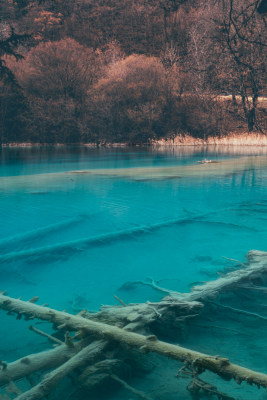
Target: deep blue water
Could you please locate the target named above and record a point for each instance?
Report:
(75, 239)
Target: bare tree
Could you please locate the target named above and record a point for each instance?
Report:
(241, 35)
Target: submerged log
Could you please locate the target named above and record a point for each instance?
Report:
(221, 366)
(141, 317)
(128, 325)
(42, 361)
(51, 380)
(256, 267)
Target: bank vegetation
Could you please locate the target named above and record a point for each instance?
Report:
(123, 72)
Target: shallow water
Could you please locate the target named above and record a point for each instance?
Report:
(79, 223)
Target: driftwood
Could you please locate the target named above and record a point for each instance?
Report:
(125, 327)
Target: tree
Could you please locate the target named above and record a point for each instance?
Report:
(241, 34)
(58, 69)
(131, 102)
(9, 43)
(56, 77)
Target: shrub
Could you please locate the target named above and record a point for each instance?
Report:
(128, 104)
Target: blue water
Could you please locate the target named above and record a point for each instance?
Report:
(75, 239)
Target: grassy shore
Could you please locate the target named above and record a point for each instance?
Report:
(234, 139)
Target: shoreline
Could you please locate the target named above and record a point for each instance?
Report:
(245, 139)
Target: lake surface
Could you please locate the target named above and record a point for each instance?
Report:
(77, 224)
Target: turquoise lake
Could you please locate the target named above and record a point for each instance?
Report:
(79, 225)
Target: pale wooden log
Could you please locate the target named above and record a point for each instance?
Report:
(141, 314)
(51, 380)
(139, 317)
(221, 366)
(257, 256)
(210, 290)
(39, 362)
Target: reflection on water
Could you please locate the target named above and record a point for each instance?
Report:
(228, 150)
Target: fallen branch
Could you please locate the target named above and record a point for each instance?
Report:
(49, 337)
(150, 282)
(234, 260)
(239, 311)
(198, 385)
(51, 380)
(138, 393)
(120, 301)
(210, 290)
(253, 287)
(42, 361)
(221, 366)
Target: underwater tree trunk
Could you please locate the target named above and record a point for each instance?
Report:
(257, 265)
(105, 329)
(51, 380)
(219, 365)
(42, 361)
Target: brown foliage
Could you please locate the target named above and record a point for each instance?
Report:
(129, 102)
(86, 80)
(202, 116)
(56, 77)
(56, 69)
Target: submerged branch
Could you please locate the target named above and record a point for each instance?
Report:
(138, 393)
(42, 361)
(221, 366)
(51, 380)
(49, 337)
(119, 325)
(210, 290)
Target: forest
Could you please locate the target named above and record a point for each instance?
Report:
(106, 71)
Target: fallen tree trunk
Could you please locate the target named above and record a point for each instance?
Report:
(210, 290)
(221, 366)
(169, 313)
(42, 361)
(51, 380)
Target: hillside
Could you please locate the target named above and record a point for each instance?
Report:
(90, 71)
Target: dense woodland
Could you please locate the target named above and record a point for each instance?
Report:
(103, 71)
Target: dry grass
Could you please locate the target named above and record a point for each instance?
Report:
(233, 139)
(261, 100)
